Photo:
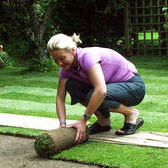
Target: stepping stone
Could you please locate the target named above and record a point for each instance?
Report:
(23, 121)
(152, 139)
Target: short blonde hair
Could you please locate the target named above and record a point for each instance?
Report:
(62, 41)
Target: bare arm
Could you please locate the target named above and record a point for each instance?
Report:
(60, 100)
(97, 79)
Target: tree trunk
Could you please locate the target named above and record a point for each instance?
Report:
(38, 28)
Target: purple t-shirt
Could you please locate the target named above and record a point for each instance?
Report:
(114, 66)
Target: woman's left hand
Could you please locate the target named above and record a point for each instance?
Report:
(81, 131)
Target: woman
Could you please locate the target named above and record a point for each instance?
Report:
(100, 79)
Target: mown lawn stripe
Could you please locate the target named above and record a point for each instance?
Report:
(34, 106)
(28, 89)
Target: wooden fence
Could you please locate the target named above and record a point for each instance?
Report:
(145, 27)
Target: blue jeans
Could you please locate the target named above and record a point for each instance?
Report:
(129, 93)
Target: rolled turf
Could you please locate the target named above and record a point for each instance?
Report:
(54, 141)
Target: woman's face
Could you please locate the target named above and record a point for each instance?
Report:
(64, 58)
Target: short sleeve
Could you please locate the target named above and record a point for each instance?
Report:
(89, 59)
(62, 74)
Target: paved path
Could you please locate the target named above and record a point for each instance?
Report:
(18, 152)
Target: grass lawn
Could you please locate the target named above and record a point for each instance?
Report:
(32, 93)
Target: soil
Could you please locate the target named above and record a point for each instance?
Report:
(18, 152)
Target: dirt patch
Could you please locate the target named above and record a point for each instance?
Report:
(18, 152)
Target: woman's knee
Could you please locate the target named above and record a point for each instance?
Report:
(77, 90)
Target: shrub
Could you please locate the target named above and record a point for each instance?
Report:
(45, 65)
(17, 48)
(5, 60)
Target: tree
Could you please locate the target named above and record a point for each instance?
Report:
(32, 18)
(40, 13)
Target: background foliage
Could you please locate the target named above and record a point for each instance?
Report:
(27, 25)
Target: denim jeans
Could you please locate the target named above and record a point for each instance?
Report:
(129, 93)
